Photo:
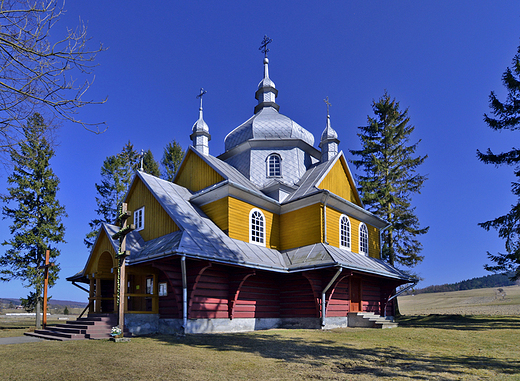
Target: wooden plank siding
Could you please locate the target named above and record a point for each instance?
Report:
(210, 295)
(333, 217)
(103, 245)
(301, 227)
(218, 212)
(238, 212)
(259, 297)
(371, 297)
(297, 298)
(338, 300)
(156, 221)
(195, 174)
(338, 181)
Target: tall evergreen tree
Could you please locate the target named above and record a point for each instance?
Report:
(390, 178)
(171, 160)
(150, 166)
(117, 173)
(32, 206)
(506, 116)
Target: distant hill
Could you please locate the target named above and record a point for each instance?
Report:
(488, 281)
(6, 302)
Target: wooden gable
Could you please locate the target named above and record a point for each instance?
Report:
(157, 222)
(339, 181)
(102, 258)
(195, 174)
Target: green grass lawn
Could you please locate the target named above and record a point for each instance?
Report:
(422, 348)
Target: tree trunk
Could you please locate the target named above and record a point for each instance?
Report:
(38, 314)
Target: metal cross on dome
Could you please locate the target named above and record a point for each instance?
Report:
(263, 47)
(201, 94)
(326, 100)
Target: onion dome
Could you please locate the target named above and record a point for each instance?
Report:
(200, 132)
(267, 123)
(329, 139)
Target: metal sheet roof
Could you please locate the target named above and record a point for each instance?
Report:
(199, 237)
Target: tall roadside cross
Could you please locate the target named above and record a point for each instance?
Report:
(122, 215)
(45, 267)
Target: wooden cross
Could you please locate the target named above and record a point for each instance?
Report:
(123, 215)
(326, 100)
(263, 47)
(45, 285)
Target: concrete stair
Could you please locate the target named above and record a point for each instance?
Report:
(95, 326)
(369, 320)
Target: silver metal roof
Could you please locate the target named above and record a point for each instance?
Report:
(200, 238)
(268, 123)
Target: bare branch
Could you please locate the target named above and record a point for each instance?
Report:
(34, 69)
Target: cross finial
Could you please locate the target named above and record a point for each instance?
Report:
(326, 100)
(263, 47)
(201, 94)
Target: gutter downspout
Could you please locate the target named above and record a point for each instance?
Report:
(400, 292)
(323, 309)
(184, 295)
(325, 219)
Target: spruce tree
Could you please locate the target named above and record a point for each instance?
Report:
(150, 166)
(32, 206)
(389, 178)
(506, 116)
(171, 160)
(117, 172)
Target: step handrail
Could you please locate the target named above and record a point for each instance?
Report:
(86, 308)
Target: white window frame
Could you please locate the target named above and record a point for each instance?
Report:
(268, 163)
(363, 239)
(348, 234)
(254, 238)
(139, 221)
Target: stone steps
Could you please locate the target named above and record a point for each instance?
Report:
(369, 320)
(92, 327)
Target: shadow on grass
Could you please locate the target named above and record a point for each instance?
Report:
(343, 358)
(460, 322)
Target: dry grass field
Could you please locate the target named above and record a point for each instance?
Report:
(432, 347)
(484, 301)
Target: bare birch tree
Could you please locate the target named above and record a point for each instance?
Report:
(36, 70)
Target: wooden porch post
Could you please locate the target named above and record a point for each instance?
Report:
(91, 296)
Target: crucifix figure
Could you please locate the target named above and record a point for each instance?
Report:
(202, 92)
(263, 47)
(326, 100)
(123, 215)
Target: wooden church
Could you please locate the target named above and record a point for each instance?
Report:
(271, 233)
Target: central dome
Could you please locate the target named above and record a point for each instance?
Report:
(267, 124)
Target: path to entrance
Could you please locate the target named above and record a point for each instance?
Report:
(18, 340)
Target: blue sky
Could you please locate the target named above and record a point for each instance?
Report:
(439, 59)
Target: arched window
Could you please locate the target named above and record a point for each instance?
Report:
(257, 227)
(274, 165)
(344, 232)
(363, 239)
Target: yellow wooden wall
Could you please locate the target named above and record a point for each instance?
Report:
(195, 174)
(301, 227)
(156, 221)
(333, 217)
(103, 245)
(337, 182)
(218, 212)
(239, 223)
